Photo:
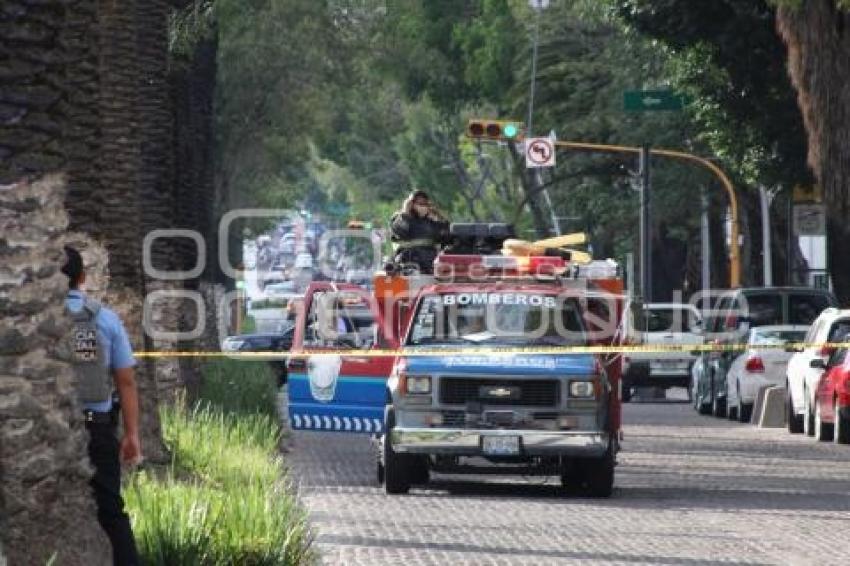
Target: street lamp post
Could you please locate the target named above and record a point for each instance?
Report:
(538, 6)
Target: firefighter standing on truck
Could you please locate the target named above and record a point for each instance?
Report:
(418, 229)
(103, 361)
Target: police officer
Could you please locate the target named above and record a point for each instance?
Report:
(418, 229)
(103, 362)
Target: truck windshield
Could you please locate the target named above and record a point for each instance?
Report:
(501, 318)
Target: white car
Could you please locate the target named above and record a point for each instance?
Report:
(303, 261)
(663, 324)
(802, 379)
(277, 290)
(763, 363)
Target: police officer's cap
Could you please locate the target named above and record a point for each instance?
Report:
(73, 266)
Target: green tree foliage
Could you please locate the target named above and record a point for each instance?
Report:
(278, 63)
(729, 60)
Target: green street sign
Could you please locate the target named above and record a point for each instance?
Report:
(648, 100)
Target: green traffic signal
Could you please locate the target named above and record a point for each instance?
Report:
(494, 129)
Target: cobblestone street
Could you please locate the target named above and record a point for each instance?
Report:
(690, 489)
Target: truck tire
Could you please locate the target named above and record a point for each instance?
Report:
(591, 477)
(418, 470)
(396, 468)
(599, 475)
(572, 477)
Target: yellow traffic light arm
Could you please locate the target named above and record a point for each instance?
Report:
(734, 246)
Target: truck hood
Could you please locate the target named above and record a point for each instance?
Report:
(504, 364)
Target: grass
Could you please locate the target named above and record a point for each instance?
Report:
(240, 386)
(225, 499)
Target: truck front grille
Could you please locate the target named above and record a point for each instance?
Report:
(524, 392)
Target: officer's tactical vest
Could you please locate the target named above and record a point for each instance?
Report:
(94, 382)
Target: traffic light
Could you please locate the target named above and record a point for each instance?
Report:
(505, 130)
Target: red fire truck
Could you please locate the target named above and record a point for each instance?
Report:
(482, 367)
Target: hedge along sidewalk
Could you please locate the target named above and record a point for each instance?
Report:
(225, 499)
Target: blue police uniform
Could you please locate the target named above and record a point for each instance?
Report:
(103, 445)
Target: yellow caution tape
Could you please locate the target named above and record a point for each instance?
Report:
(471, 351)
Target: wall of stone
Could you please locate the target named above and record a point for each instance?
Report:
(45, 504)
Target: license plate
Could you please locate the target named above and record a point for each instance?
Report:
(500, 445)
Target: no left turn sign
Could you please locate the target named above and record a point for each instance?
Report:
(539, 152)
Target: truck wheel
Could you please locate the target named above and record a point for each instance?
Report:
(396, 469)
(599, 475)
(572, 477)
(418, 470)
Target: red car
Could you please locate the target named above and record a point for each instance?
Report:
(832, 408)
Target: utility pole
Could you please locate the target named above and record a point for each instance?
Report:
(765, 198)
(645, 225)
(705, 241)
(538, 6)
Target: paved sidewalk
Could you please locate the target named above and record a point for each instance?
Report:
(689, 490)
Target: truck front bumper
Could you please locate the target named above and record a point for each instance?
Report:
(467, 442)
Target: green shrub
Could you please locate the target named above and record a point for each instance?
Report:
(240, 386)
(224, 500)
(179, 523)
(219, 447)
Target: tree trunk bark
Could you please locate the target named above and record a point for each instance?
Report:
(46, 509)
(817, 34)
(121, 167)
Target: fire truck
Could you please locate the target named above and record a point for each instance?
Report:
(486, 366)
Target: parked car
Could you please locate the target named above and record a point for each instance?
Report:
(664, 324)
(303, 261)
(763, 363)
(802, 378)
(832, 401)
(733, 315)
(279, 290)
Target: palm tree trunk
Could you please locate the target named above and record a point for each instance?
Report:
(817, 34)
(45, 505)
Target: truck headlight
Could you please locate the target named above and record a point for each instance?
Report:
(581, 389)
(418, 384)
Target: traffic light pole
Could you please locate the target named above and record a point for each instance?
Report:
(645, 225)
(735, 244)
(493, 130)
